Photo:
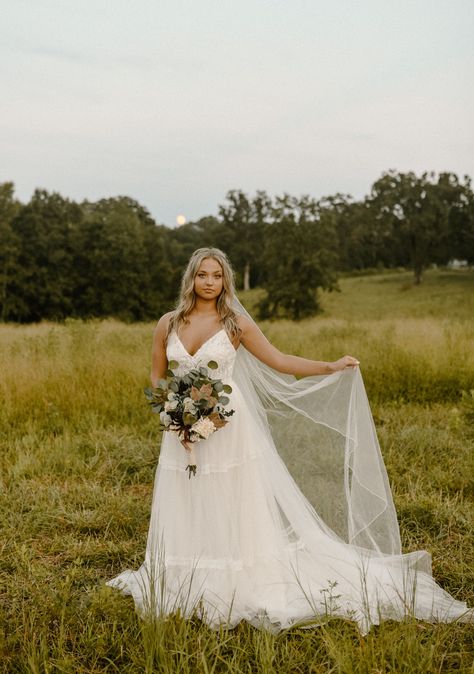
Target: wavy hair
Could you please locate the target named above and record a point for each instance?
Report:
(187, 296)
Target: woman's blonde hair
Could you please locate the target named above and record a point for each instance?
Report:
(187, 296)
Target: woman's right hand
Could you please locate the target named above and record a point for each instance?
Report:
(187, 445)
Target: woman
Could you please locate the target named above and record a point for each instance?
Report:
(245, 540)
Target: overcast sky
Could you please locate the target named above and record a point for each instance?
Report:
(174, 102)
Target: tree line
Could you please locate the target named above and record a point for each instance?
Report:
(60, 258)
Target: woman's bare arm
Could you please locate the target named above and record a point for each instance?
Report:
(255, 341)
(159, 361)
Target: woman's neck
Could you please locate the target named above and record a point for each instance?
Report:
(204, 307)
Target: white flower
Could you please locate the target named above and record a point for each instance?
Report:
(204, 427)
(189, 406)
(165, 419)
(171, 405)
(172, 395)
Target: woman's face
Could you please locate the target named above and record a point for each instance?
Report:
(208, 282)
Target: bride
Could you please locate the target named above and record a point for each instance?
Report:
(289, 519)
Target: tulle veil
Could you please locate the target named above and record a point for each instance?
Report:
(324, 436)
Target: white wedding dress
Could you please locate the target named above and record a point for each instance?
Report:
(240, 541)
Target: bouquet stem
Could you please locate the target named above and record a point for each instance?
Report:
(191, 467)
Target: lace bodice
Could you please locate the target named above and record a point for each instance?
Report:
(218, 347)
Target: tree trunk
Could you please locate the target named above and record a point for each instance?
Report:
(416, 260)
(247, 276)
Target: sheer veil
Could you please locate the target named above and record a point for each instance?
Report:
(324, 437)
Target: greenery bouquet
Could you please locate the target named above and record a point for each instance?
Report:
(192, 405)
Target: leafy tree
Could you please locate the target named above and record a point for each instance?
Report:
(300, 256)
(461, 216)
(122, 262)
(416, 211)
(357, 240)
(9, 248)
(43, 285)
(245, 220)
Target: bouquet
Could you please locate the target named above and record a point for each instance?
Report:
(192, 406)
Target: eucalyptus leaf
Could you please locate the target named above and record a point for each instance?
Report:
(173, 364)
(203, 372)
(218, 386)
(212, 365)
(224, 400)
(227, 388)
(173, 385)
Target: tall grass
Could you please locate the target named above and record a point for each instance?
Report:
(78, 452)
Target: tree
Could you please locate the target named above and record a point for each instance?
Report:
(122, 262)
(416, 212)
(245, 220)
(43, 285)
(9, 249)
(461, 216)
(300, 256)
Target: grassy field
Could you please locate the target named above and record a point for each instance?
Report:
(79, 451)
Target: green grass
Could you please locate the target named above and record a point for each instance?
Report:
(442, 294)
(78, 452)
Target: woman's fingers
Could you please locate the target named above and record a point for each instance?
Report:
(344, 363)
(186, 446)
(350, 361)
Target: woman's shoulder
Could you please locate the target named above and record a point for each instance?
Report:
(243, 321)
(161, 327)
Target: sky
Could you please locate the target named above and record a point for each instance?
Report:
(176, 102)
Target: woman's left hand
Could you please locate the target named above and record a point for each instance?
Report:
(344, 363)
